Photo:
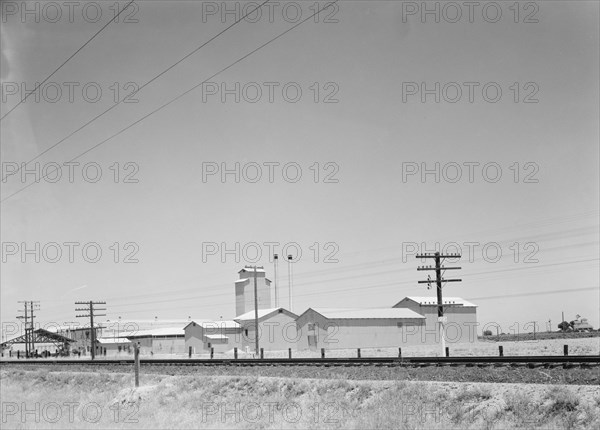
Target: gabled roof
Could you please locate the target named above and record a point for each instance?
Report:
(40, 336)
(251, 270)
(432, 301)
(108, 340)
(367, 313)
(264, 314)
(163, 331)
(215, 324)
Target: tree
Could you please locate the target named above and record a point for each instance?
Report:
(564, 326)
(487, 332)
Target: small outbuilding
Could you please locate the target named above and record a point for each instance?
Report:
(222, 335)
(460, 318)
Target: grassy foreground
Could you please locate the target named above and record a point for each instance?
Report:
(42, 399)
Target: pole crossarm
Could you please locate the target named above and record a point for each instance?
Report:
(442, 280)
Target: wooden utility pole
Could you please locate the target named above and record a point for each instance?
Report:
(28, 316)
(256, 313)
(91, 313)
(439, 281)
(291, 280)
(136, 363)
(275, 261)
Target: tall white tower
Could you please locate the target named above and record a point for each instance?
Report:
(244, 290)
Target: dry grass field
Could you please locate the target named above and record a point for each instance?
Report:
(36, 399)
(297, 397)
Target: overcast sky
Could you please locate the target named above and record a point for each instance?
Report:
(360, 70)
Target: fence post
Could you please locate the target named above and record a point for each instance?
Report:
(136, 365)
(566, 349)
(500, 351)
(18, 354)
(358, 352)
(190, 352)
(447, 352)
(322, 352)
(399, 352)
(212, 352)
(289, 353)
(262, 353)
(235, 353)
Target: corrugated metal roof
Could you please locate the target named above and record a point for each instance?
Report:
(369, 313)
(163, 331)
(446, 301)
(251, 269)
(106, 340)
(248, 316)
(219, 324)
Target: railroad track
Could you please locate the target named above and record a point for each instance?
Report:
(516, 361)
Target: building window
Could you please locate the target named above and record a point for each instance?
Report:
(311, 327)
(246, 332)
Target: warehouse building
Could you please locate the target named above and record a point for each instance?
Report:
(220, 335)
(357, 328)
(277, 330)
(461, 318)
(167, 340)
(412, 321)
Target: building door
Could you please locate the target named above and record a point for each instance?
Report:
(312, 342)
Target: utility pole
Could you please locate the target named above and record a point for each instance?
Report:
(290, 279)
(439, 281)
(28, 316)
(255, 313)
(91, 314)
(31, 334)
(275, 261)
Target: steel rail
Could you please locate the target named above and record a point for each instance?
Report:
(365, 361)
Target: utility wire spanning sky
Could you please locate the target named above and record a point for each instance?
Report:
(359, 214)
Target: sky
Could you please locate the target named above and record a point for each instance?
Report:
(348, 100)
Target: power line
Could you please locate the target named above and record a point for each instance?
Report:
(537, 293)
(66, 61)
(185, 57)
(181, 95)
(318, 293)
(346, 268)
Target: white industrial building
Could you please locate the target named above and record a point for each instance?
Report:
(461, 318)
(358, 328)
(220, 335)
(244, 290)
(411, 321)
